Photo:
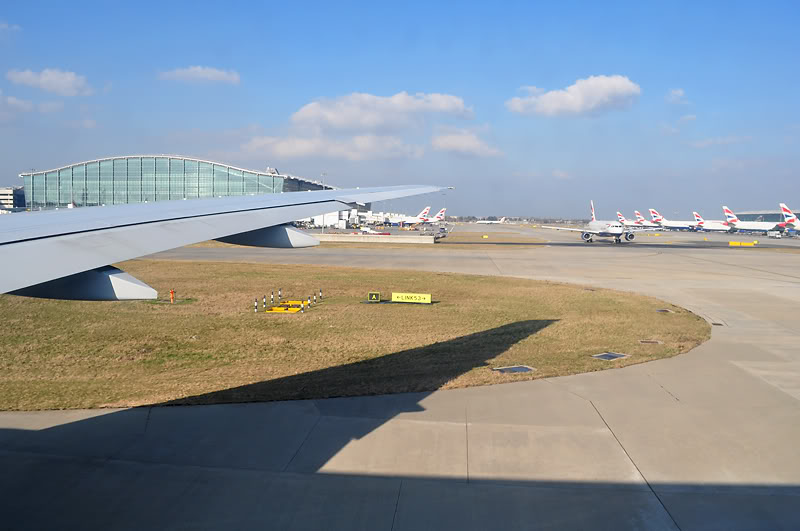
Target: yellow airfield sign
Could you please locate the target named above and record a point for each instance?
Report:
(374, 296)
(419, 298)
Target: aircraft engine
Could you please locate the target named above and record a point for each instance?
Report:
(629, 236)
(586, 236)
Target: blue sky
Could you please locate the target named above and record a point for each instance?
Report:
(676, 106)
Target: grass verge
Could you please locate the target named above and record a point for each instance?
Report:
(69, 354)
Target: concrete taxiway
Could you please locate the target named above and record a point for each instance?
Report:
(706, 440)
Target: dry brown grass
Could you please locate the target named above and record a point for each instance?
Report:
(67, 354)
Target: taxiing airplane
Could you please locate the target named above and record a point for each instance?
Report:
(756, 226)
(671, 224)
(488, 222)
(66, 254)
(603, 229)
(710, 225)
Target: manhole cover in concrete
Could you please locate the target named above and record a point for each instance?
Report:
(514, 368)
(608, 356)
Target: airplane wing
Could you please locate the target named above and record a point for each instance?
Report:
(567, 228)
(66, 253)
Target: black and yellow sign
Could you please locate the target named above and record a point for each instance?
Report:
(419, 298)
(374, 296)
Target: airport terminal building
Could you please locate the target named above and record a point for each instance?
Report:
(146, 178)
(761, 215)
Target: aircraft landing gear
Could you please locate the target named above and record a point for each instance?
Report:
(617, 240)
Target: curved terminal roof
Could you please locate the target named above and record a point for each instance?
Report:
(270, 171)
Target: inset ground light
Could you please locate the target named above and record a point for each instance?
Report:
(608, 356)
(514, 368)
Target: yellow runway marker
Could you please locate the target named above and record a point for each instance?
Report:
(419, 298)
(281, 309)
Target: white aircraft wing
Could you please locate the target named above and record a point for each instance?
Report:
(568, 228)
(76, 245)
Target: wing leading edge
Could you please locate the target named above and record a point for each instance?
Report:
(46, 246)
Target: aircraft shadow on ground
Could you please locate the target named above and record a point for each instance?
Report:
(418, 369)
(219, 466)
(268, 435)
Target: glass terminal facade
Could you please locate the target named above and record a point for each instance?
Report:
(138, 179)
(761, 215)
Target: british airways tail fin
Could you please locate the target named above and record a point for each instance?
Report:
(788, 215)
(730, 217)
(591, 202)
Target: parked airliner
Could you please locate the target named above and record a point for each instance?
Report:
(671, 224)
(757, 226)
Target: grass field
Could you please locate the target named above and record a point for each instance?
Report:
(212, 347)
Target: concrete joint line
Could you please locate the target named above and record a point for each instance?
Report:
(662, 387)
(466, 439)
(566, 389)
(147, 420)
(493, 263)
(660, 501)
(300, 446)
(397, 504)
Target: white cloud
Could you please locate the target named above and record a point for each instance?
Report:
(359, 147)
(676, 96)
(5, 26)
(668, 129)
(719, 141)
(561, 175)
(50, 106)
(687, 118)
(201, 73)
(52, 80)
(361, 126)
(18, 104)
(586, 96)
(463, 142)
(367, 112)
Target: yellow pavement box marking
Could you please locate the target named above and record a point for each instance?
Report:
(374, 296)
(420, 298)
